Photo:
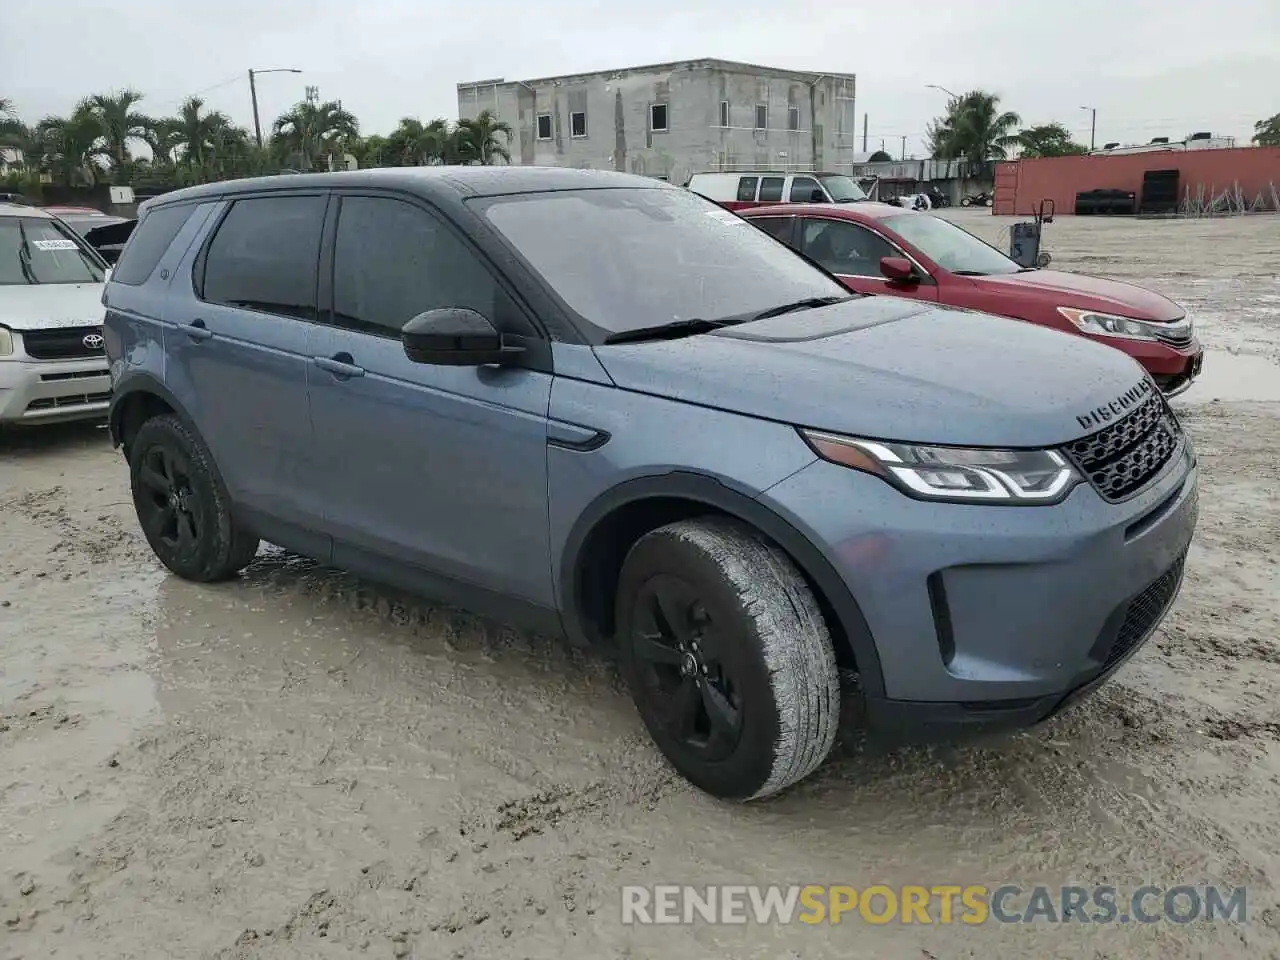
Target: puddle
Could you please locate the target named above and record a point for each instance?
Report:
(1235, 377)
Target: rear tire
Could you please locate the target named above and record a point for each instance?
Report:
(728, 658)
(182, 505)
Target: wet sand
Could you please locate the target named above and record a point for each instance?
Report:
(300, 765)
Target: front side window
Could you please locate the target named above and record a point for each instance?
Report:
(630, 258)
(950, 247)
(393, 261)
(264, 255)
(845, 248)
(37, 250)
(802, 190)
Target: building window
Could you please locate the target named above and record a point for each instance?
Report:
(793, 118)
(724, 113)
(578, 124)
(544, 126)
(658, 117)
(762, 116)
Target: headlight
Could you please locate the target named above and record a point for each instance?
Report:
(953, 473)
(6, 342)
(1110, 325)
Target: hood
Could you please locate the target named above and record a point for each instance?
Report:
(46, 306)
(1090, 293)
(890, 369)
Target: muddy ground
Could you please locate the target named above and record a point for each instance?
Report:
(297, 765)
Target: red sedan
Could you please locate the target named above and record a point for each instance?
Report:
(881, 249)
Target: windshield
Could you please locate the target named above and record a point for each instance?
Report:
(37, 250)
(632, 258)
(82, 223)
(953, 249)
(843, 189)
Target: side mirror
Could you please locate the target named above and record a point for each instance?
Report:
(817, 196)
(455, 337)
(899, 269)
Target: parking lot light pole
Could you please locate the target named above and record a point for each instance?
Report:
(934, 86)
(253, 95)
(1093, 126)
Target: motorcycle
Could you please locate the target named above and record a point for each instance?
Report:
(937, 198)
(981, 199)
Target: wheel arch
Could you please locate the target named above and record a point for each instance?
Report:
(138, 398)
(599, 541)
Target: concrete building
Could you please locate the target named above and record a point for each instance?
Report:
(672, 120)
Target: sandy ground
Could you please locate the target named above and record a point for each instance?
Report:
(298, 765)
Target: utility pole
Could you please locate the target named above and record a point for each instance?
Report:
(904, 148)
(1093, 127)
(864, 133)
(253, 95)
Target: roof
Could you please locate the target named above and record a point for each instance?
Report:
(458, 181)
(22, 210)
(703, 63)
(862, 210)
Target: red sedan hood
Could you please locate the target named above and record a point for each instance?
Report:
(1087, 293)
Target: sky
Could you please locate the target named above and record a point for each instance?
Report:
(1149, 67)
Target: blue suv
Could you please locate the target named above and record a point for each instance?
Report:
(599, 405)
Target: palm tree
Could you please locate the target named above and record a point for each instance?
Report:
(414, 143)
(197, 134)
(1266, 133)
(476, 140)
(70, 147)
(120, 123)
(311, 130)
(974, 129)
(13, 132)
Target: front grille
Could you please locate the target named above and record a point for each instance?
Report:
(1144, 612)
(1121, 459)
(70, 400)
(1174, 341)
(66, 343)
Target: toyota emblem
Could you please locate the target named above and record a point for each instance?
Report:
(94, 341)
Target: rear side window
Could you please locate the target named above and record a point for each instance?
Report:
(148, 242)
(777, 227)
(771, 189)
(747, 188)
(264, 256)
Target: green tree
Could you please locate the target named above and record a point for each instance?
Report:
(1266, 133)
(197, 135)
(72, 148)
(120, 122)
(309, 131)
(1049, 140)
(476, 140)
(414, 143)
(974, 128)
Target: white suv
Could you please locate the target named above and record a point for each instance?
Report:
(52, 365)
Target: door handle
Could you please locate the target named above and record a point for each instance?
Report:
(341, 365)
(196, 330)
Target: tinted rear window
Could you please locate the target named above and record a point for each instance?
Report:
(149, 241)
(264, 256)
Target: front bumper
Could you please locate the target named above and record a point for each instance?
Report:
(986, 615)
(1172, 368)
(48, 391)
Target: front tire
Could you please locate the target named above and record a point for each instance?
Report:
(728, 658)
(965, 201)
(182, 505)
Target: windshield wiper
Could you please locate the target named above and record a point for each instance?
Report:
(810, 303)
(968, 273)
(24, 255)
(668, 331)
